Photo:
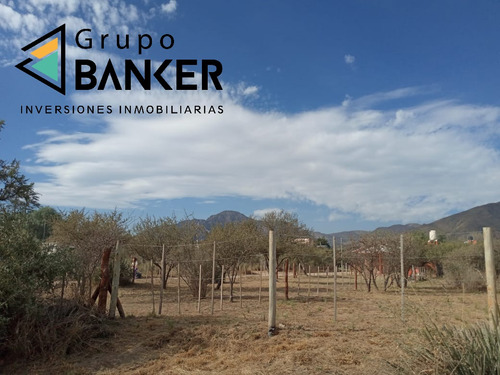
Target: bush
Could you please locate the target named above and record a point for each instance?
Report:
(461, 351)
(28, 272)
(126, 273)
(465, 265)
(53, 330)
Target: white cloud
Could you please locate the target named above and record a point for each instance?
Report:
(251, 90)
(9, 18)
(169, 7)
(64, 6)
(349, 59)
(259, 214)
(410, 164)
(336, 216)
(31, 19)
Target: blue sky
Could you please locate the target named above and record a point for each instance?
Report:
(353, 114)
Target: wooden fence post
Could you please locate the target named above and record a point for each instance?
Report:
(241, 286)
(163, 273)
(317, 287)
(327, 282)
(213, 280)
(199, 290)
(286, 279)
(179, 288)
(308, 282)
(403, 277)
(260, 285)
(334, 281)
(153, 287)
(115, 281)
(222, 288)
(298, 281)
(355, 279)
(104, 283)
(272, 285)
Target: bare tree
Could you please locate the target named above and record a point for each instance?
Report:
(236, 244)
(91, 237)
(191, 253)
(150, 235)
(291, 234)
(378, 254)
(365, 255)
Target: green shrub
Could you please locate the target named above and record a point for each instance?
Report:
(28, 273)
(465, 266)
(53, 330)
(126, 272)
(470, 350)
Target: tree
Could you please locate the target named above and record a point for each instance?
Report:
(322, 242)
(365, 256)
(292, 240)
(150, 235)
(191, 252)
(235, 243)
(15, 190)
(290, 234)
(41, 221)
(28, 273)
(378, 254)
(90, 237)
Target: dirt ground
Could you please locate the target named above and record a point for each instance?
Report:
(365, 338)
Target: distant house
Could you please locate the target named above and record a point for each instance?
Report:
(304, 240)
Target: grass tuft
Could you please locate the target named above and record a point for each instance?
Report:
(469, 350)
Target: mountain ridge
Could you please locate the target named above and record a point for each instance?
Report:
(461, 223)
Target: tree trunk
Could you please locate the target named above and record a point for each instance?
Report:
(167, 275)
(105, 278)
(286, 279)
(231, 284)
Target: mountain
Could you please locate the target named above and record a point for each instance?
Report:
(456, 226)
(346, 236)
(472, 220)
(399, 228)
(223, 218)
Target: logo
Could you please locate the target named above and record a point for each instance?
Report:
(48, 64)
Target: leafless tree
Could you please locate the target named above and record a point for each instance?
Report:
(150, 235)
(236, 244)
(89, 236)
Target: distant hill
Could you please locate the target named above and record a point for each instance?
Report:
(346, 236)
(223, 218)
(453, 226)
(399, 228)
(459, 225)
(469, 221)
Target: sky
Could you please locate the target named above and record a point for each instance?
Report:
(352, 114)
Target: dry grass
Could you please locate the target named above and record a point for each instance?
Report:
(365, 339)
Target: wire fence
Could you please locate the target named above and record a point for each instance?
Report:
(208, 277)
(208, 281)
